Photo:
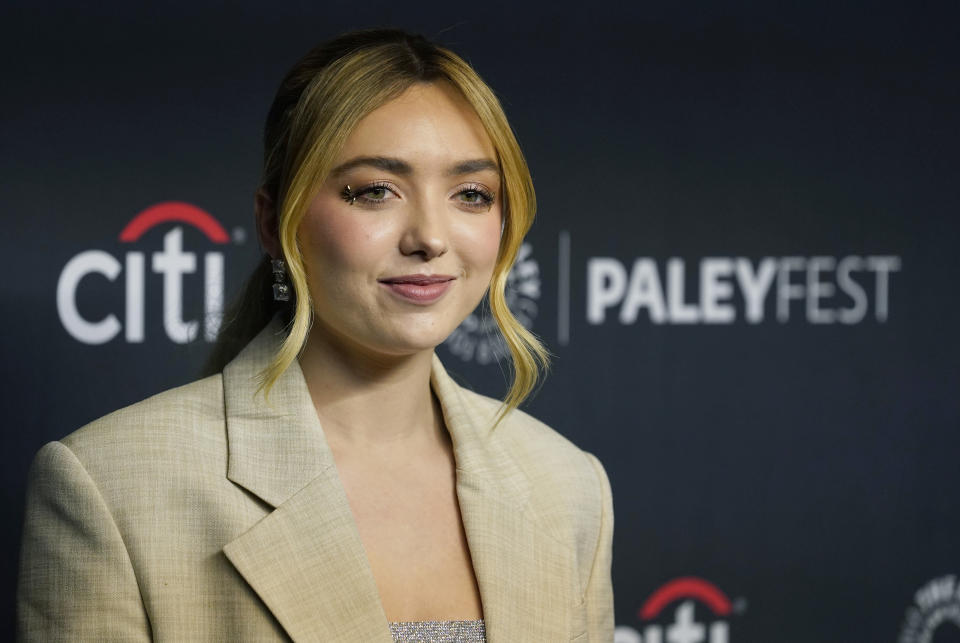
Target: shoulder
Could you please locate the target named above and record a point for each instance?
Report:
(173, 423)
(539, 449)
(139, 459)
(569, 486)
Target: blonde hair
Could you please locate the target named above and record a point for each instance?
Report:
(319, 103)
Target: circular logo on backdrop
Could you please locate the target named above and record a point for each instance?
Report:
(478, 338)
(934, 616)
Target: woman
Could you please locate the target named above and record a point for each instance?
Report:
(333, 483)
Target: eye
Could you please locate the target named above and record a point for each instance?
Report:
(374, 195)
(475, 197)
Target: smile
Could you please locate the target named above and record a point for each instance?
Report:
(418, 289)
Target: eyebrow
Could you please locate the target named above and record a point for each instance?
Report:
(398, 166)
(473, 165)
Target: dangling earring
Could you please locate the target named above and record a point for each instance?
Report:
(281, 289)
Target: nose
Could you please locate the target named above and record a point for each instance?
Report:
(425, 233)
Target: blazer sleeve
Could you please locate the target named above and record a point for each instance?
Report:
(599, 594)
(76, 578)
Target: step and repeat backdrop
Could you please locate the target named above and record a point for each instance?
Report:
(745, 264)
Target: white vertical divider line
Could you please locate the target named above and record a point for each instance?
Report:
(563, 289)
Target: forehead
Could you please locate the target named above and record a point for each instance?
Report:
(427, 124)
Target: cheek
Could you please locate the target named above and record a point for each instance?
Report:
(334, 242)
(480, 243)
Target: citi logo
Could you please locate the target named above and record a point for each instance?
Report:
(172, 263)
(686, 593)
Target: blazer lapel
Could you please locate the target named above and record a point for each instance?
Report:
(522, 572)
(305, 559)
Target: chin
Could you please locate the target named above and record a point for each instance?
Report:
(411, 345)
(411, 340)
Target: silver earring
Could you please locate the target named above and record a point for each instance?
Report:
(281, 289)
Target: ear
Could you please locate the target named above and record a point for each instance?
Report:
(267, 223)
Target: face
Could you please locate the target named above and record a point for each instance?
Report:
(396, 261)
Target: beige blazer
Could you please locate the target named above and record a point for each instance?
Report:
(205, 514)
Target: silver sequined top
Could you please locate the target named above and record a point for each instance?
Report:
(439, 632)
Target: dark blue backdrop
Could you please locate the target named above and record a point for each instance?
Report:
(747, 235)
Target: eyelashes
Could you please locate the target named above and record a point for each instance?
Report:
(473, 196)
(478, 196)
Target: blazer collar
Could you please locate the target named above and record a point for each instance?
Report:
(305, 559)
(276, 445)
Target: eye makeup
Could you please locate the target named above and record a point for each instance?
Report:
(473, 196)
(373, 195)
(479, 197)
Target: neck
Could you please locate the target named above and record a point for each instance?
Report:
(370, 400)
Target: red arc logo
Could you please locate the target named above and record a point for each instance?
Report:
(174, 211)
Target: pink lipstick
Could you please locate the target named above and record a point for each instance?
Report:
(418, 289)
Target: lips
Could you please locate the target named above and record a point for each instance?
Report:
(419, 280)
(418, 289)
